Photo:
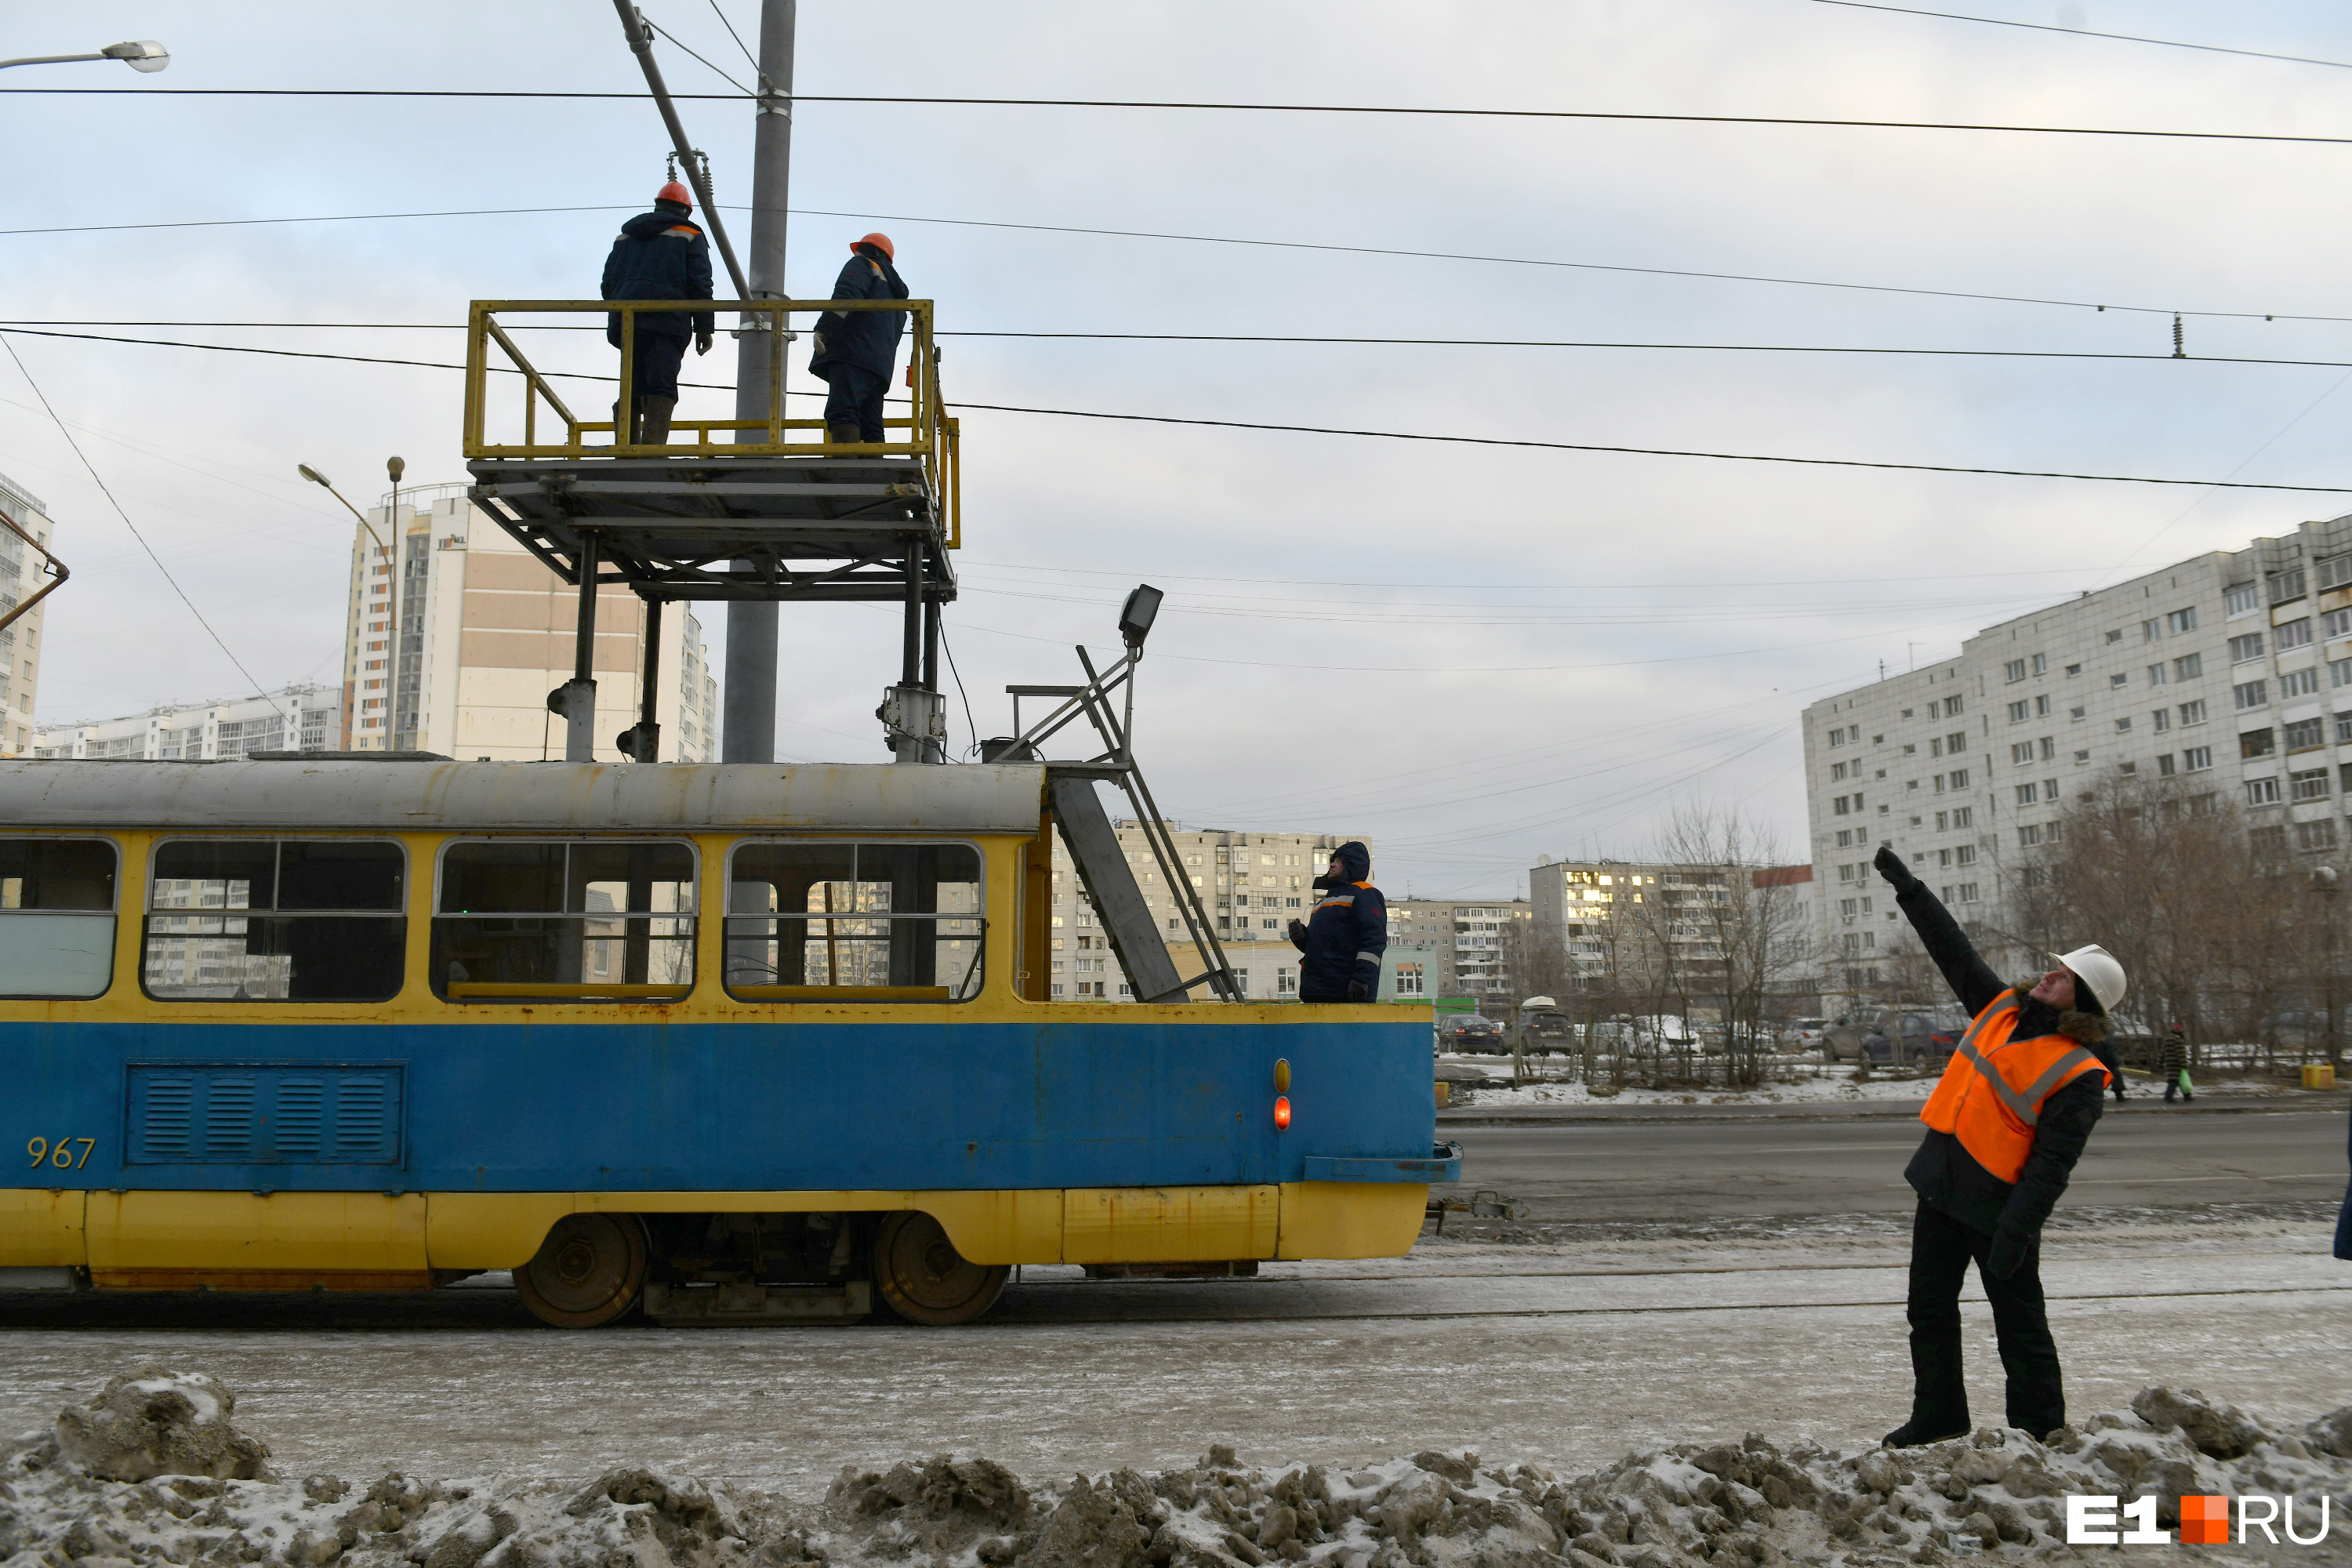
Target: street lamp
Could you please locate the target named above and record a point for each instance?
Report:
(394, 467)
(140, 55)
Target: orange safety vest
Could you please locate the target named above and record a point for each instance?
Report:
(1993, 1088)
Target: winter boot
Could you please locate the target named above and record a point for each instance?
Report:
(1911, 1435)
(842, 434)
(654, 425)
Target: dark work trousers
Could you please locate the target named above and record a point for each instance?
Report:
(658, 356)
(857, 399)
(1941, 1251)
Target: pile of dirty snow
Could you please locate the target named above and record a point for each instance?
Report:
(151, 1471)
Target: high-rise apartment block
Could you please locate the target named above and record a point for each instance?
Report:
(485, 632)
(1474, 943)
(20, 644)
(294, 718)
(2228, 674)
(1252, 885)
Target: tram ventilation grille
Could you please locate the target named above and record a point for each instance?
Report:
(243, 1113)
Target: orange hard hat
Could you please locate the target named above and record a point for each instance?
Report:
(674, 192)
(880, 242)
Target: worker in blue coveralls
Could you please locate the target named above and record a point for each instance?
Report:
(1348, 932)
(659, 256)
(856, 349)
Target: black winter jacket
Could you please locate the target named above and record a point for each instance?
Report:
(867, 339)
(1348, 932)
(1943, 1172)
(659, 256)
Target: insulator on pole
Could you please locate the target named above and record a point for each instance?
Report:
(2177, 351)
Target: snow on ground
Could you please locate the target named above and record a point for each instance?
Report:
(1995, 1492)
(1798, 1084)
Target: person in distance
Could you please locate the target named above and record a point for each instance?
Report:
(856, 349)
(2005, 1125)
(1346, 933)
(659, 256)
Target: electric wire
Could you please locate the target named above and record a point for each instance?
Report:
(97, 480)
(738, 38)
(1288, 337)
(673, 38)
(2085, 33)
(948, 649)
(1500, 441)
(1377, 110)
(2092, 305)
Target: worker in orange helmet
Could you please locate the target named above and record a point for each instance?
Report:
(658, 256)
(857, 349)
(2008, 1119)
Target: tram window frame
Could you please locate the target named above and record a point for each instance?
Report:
(684, 939)
(969, 988)
(47, 923)
(284, 930)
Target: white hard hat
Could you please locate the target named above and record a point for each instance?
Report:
(2095, 967)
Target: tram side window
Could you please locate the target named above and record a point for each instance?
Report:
(594, 921)
(56, 917)
(244, 919)
(832, 920)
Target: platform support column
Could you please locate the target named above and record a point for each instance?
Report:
(641, 741)
(575, 700)
(748, 733)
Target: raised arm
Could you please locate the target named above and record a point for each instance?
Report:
(1970, 976)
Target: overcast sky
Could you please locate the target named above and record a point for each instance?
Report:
(1468, 655)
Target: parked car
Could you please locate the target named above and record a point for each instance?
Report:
(1545, 1033)
(1802, 1034)
(1469, 1032)
(1908, 1036)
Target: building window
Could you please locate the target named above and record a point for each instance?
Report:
(2019, 712)
(2344, 729)
(1952, 708)
(2257, 743)
(2192, 713)
(2123, 723)
(2115, 635)
(1966, 854)
(2294, 635)
(2310, 786)
(2336, 623)
(2262, 792)
(2316, 836)
(2307, 734)
(2197, 759)
(2251, 694)
(2246, 648)
(2150, 630)
(2014, 670)
(2155, 674)
(2298, 683)
(2074, 715)
(2028, 794)
(1960, 778)
(2119, 681)
(2160, 721)
(2021, 754)
(2181, 622)
(2333, 573)
(2164, 766)
(1968, 892)
(2287, 586)
(2029, 836)
(1965, 816)
(2243, 599)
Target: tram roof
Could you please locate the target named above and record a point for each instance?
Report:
(561, 798)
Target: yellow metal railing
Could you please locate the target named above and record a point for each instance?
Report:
(925, 432)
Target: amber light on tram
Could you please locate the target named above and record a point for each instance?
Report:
(1282, 1111)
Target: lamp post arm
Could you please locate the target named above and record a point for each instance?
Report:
(51, 60)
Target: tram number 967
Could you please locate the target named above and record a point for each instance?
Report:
(60, 1154)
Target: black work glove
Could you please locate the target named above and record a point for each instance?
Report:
(1358, 992)
(702, 342)
(1299, 932)
(2007, 1255)
(1891, 867)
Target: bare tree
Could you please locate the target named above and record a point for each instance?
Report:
(1731, 935)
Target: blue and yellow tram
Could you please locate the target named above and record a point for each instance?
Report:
(716, 1043)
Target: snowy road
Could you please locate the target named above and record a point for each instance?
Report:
(1568, 1352)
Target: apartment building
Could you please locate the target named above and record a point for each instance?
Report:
(1252, 885)
(1474, 943)
(1273, 975)
(20, 644)
(2229, 673)
(485, 633)
(291, 719)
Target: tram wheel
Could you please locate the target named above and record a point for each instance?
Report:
(924, 1280)
(587, 1272)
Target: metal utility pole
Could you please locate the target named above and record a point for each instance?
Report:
(748, 725)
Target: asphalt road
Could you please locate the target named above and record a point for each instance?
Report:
(1762, 1168)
